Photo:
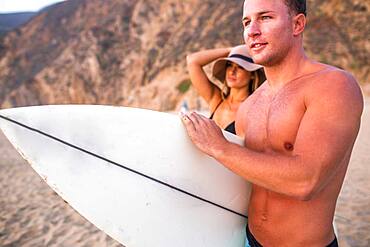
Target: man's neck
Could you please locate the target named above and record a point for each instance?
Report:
(291, 67)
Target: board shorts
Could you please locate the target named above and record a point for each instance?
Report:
(250, 241)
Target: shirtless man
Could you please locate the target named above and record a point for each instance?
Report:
(299, 127)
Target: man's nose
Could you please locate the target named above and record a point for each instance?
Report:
(253, 29)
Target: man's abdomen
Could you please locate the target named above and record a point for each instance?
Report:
(275, 219)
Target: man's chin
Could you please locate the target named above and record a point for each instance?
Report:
(259, 60)
(265, 61)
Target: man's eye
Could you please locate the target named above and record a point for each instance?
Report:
(246, 23)
(266, 17)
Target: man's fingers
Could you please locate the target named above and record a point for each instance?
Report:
(195, 121)
(204, 121)
(194, 117)
(188, 123)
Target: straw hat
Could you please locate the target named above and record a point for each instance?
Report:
(239, 55)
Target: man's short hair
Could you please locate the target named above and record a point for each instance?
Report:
(297, 6)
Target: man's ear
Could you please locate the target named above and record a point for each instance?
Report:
(299, 24)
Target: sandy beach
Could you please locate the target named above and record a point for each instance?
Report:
(31, 214)
(353, 207)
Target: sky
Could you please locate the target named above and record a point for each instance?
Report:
(8, 6)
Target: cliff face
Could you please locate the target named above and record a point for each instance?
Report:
(132, 52)
(338, 33)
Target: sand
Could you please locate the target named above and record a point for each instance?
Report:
(353, 207)
(31, 214)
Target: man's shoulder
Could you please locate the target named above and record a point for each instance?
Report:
(331, 83)
(331, 72)
(330, 77)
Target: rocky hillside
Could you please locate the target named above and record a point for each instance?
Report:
(338, 33)
(132, 52)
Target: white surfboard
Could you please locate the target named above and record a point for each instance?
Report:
(133, 173)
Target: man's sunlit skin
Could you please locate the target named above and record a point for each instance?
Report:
(299, 129)
(267, 32)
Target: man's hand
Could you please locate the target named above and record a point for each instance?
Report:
(204, 133)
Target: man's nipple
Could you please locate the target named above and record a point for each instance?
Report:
(289, 146)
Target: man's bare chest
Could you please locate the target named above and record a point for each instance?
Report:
(271, 122)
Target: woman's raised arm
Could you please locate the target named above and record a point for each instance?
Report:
(198, 77)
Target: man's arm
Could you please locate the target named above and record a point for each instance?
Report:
(326, 133)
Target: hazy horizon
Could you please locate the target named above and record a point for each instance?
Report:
(14, 6)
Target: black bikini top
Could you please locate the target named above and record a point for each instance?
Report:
(229, 128)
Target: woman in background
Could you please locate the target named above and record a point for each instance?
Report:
(239, 77)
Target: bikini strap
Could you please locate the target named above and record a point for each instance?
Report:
(213, 113)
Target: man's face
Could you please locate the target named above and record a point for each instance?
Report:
(267, 30)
